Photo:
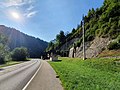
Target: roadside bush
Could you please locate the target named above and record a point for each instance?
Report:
(118, 39)
(19, 54)
(4, 52)
(78, 43)
(98, 32)
(90, 38)
(8, 57)
(2, 55)
(2, 60)
(114, 45)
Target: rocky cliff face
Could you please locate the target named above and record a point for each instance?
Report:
(67, 45)
(93, 48)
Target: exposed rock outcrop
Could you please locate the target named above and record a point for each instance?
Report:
(66, 46)
(93, 48)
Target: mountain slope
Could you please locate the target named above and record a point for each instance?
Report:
(16, 38)
(103, 22)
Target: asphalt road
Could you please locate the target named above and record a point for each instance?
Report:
(18, 78)
(45, 79)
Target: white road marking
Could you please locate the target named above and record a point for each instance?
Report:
(32, 77)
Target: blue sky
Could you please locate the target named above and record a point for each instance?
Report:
(44, 18)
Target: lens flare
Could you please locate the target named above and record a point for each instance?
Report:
(15, 15)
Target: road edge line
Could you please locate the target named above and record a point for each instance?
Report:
(32, 77)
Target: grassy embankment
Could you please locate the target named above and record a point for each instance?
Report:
(91, 74)
(9, 63)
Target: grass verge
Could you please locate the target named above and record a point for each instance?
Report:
(9, 63)
(91, 74)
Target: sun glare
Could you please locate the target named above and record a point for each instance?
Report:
(15, 15)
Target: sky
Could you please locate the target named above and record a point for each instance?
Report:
(44, 19)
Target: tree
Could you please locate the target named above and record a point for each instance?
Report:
(19, 54)
(50, 46)
(73, 30)
(2, 53)
(91, 13)
(60, 38)
(4, 50)
(3, 39)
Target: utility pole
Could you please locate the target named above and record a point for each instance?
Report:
(66, 47)
(84, 56)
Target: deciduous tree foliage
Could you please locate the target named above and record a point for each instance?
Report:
(60, 38)
(19, 54)
(4, 50)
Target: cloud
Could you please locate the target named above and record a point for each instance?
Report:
(30, 1)
(30, 14)
(9, 3)
(26, 6)
(30, 7)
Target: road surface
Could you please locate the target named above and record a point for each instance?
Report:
(16, 77)
(45, 79)
(32, 75)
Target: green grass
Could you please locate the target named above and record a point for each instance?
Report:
(9, 63)
(12, 62)
(91, 74)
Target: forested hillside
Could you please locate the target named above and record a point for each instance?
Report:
(35, 46)
(102, 22)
